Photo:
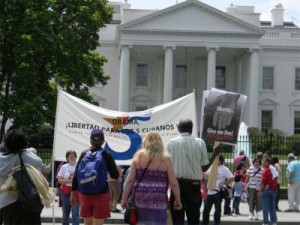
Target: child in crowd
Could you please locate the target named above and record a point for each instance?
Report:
(238, 191)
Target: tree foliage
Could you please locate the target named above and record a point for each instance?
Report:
(45, 44)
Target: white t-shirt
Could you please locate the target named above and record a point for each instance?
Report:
(222, 174)
(66, 171)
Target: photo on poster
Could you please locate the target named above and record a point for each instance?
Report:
(221, 115)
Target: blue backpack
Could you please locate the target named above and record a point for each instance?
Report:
(92, 173)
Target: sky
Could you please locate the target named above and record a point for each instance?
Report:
(291, 13)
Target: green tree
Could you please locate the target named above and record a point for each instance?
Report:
(44, 44)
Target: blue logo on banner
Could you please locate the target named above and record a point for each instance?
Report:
(134, 137)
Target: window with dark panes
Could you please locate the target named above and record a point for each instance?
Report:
(180, 76)
(142, 75)
(297, 79)
(297, 122)
(266, 120)
(268, 78)
(220, 77)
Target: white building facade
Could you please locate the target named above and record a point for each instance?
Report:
(156, 56)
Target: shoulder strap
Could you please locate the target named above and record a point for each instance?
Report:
(80, 158)
(256, 172)
(21, 160)
(144, 171)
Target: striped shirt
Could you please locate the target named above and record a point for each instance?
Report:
(188, 154)
(254, 177)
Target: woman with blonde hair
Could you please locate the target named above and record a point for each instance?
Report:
(150, 194)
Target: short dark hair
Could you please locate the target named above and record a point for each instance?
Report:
(15, 141)
(256, 160)
(237, 178)
(241, 165)
(69, 153)
(274, 160)
(185, 125)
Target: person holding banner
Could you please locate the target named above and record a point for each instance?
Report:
(224, 178)
(189, 157)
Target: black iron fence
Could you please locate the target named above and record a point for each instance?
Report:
(279, 146)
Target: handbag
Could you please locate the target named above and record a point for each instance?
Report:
(224, 192)
(28, 195)
(130, 215)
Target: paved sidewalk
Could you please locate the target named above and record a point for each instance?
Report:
(117, 218)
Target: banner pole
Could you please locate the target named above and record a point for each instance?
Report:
(53, 150)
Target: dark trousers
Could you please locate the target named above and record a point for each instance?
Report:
(190, 196)
(277, 196)
(1, 220)
(227, 208)
(13, 214)
(211, 200)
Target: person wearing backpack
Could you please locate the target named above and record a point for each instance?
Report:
(90, 181)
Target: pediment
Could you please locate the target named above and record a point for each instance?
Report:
(268, 102)
(191, 16)
(295, 103)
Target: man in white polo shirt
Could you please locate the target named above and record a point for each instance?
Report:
(189, 158)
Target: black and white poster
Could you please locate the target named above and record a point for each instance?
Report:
(221, 115)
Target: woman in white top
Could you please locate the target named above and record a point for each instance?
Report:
(253, 176)
(65, 177)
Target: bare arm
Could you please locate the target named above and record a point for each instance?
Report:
(47, 168)
(278, 168)
(62, 180)
(129, 183)
(174, 184)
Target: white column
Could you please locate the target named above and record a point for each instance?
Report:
(124, 79)
(211, 67)
(239, 76)
(253, 88)
(168, 76)
(160, 91)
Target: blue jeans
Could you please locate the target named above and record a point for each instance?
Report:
(269, 206)
(66, 208)
(236, 204)
(210, 201)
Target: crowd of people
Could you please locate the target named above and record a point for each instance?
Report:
(181, 165)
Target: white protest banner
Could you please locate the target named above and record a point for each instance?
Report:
(123, 131)
(221, 113)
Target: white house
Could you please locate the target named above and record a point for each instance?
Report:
(155, 56)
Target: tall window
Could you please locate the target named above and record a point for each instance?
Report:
(268, 78)
(220, 77)
(297, 122)
(180, 76)
(297, 79)
(266, 120)
(142, 75)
